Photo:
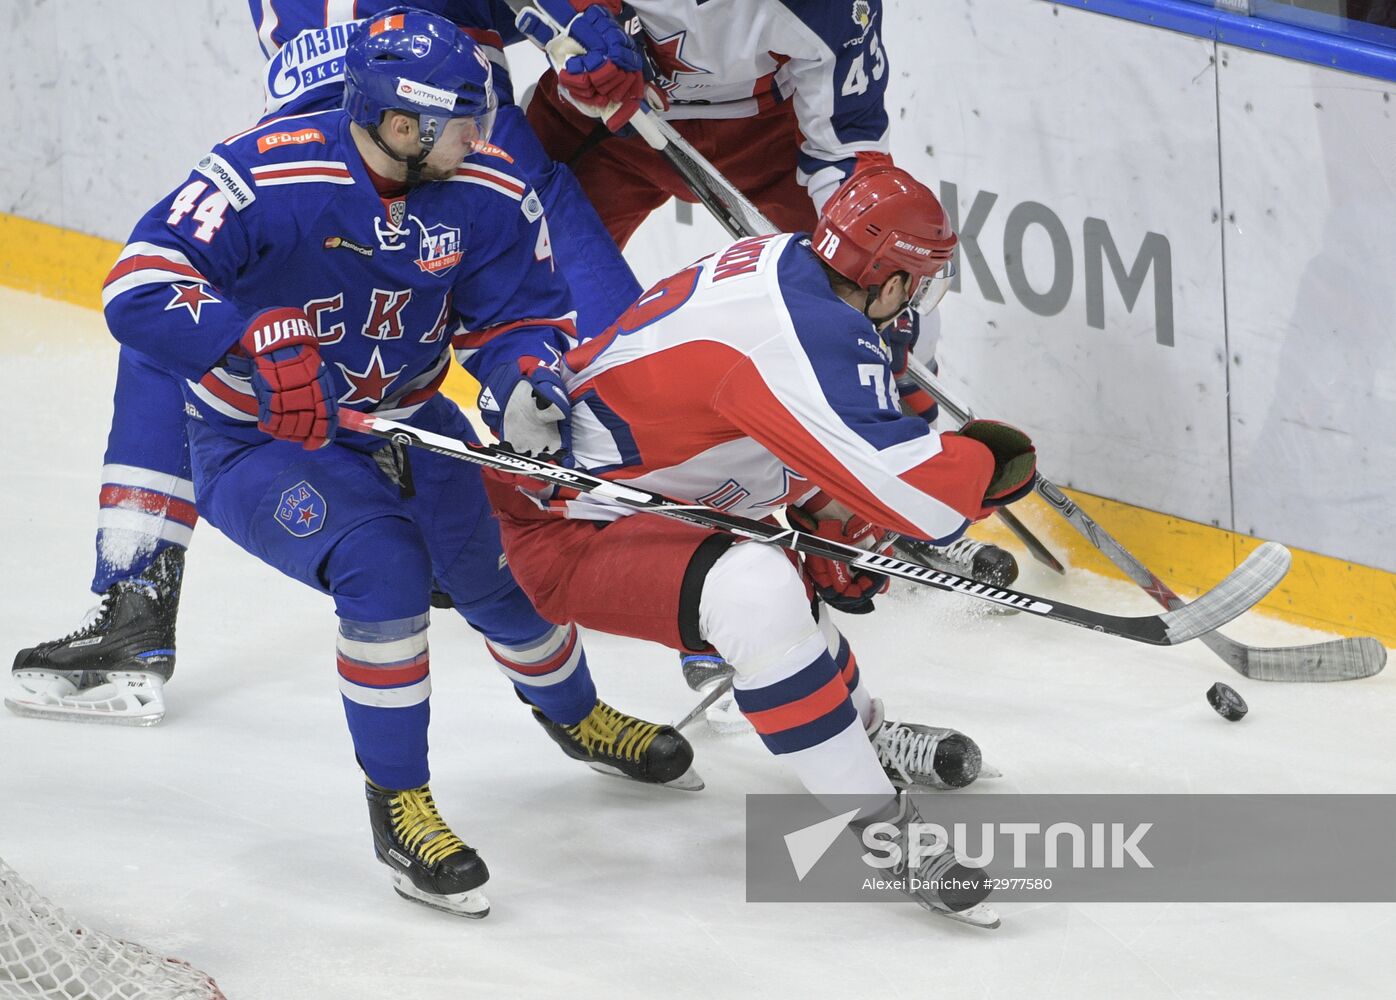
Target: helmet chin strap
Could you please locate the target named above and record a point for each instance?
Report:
(426, 141)
(873, 291)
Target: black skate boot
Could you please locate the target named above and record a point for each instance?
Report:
(612, 742)
(706, 673)
(965, 557)
(928, 756)
(113, 667)
(430, 864)
(938, 882)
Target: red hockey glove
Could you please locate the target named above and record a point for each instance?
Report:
(839, 585)
(295, 397)
(1015, 461)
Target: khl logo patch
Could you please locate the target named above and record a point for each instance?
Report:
(302, 510)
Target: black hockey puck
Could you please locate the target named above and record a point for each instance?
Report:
(1226, 702)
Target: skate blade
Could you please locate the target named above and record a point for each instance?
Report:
(979, 915)
(471, 904)
(689, 781)
(722, 727)
(128, 698)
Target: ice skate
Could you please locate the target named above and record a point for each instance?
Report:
(113, 667)
(929, 756)
(966, 557)
(612, 742)
(430, 864)
(938, 882)
(704, 672)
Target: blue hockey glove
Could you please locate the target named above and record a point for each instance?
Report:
(525, 404)
(599, 69)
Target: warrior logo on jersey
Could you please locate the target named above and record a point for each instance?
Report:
(301, 510)
(440, 248)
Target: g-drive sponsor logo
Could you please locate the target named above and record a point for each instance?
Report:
(427, 96)
(227, 180)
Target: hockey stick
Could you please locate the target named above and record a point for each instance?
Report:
(1246, 584)
(709, 699)
(1335, 660)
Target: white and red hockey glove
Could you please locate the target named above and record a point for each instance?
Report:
(839, 585)
(295, 397)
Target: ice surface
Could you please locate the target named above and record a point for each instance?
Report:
(234, 834)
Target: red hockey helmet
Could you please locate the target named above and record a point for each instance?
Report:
(881, 221)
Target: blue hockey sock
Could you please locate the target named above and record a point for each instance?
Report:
(384, 678)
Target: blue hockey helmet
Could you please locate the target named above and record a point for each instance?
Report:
(420, 64)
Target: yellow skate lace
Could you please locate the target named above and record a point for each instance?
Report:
(420, 827)
(614, 733)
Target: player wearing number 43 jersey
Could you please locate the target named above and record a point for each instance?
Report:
(335, 260)
(755, 381)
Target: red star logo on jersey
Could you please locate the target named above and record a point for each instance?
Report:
(306, 515)
(191, 295)
(369, 385)
(668, 57)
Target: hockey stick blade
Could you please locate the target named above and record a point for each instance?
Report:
(1247, 583)
(1335, 660)
(1030, 541)
(709, 699)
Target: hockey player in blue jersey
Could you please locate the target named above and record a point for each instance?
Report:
(113, 667)
(335, 259)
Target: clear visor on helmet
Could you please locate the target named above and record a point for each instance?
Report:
(479, 128)
(931, 289)
(470, 133)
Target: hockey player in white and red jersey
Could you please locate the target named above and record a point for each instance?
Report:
(756, 381)
(786, 98)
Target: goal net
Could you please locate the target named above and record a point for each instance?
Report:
(46, 955)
